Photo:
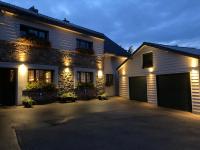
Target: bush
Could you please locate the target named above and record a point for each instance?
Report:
(27, 102)
(35, 41)
(102, 96)
(69, 95)
(40, 86)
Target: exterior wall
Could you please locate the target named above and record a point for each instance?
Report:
(60, 38)
(62, 54)
(164, 62)
(110, 65)
(14, 55)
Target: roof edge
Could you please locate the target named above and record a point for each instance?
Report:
(160, 47)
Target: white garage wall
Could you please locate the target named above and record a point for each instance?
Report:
(165, 62)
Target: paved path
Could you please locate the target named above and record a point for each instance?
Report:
(101, 125)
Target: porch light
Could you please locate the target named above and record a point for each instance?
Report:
(67, 70)
(23, 69)
(100, 73)
(151, 69)
(194, 63)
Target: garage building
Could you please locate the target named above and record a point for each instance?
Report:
(163, 75)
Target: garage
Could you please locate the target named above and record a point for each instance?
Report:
(138, 88)
(174, 91)
(7, 86)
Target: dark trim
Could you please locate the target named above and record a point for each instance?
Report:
(161, 48)
(22, 12)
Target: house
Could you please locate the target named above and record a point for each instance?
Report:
(163, 75)
(35, 47)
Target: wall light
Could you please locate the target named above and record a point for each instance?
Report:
(67, 70)
(194, 63)
(151, 69)
(100, 73)
(23, 69)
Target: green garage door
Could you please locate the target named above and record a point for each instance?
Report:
(174, 91)
(138, 88)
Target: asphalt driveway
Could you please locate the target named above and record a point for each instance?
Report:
(101, 125)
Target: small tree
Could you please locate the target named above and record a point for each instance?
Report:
(130, 50)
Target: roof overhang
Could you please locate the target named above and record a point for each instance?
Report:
(42, 18)
(159, 47)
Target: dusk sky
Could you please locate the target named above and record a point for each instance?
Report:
(129, 22)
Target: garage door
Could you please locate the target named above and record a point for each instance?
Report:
(138, 88)
(7, 86)
(174, 91)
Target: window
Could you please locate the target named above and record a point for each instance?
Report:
(148, 60)
(27, 31)
(40, 75)
(109, 79)
(84, 77)
(82, 44)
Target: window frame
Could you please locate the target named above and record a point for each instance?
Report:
(147, 60)
(43, 76)
(26, 29)
(109, 80)
(88, 44)
(85, 74)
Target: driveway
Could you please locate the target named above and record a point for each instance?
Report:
(115, 124)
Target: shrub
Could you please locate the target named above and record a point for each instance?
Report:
(35, 41)
(27, 102)
(102, 96)
(85, 51)
(40, 86)
(69, 95)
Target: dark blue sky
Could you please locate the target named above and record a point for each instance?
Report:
(129, 22)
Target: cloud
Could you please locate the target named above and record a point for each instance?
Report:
(131, 22)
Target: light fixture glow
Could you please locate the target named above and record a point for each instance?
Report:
(100, 73)
(23, 69)
(194, 63)
(67, 70)
(151, 69)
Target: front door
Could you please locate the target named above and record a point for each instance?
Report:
(7, 86)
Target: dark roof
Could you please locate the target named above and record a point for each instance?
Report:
(113, 48)
(37, 16)
(187, 51)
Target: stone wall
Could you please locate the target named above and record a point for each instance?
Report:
(24, 52)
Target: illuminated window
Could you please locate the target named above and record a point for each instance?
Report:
(40, 76)
(84, 77)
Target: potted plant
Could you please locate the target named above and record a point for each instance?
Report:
(68, 96)
(103, 97)
(27, 102)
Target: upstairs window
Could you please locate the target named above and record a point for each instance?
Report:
(40, 76)
(109, 79)
(27, 31)
(84, 77)
(148, 60)
(82, 44)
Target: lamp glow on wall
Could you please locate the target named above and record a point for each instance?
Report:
(151, 69)
(23, 69)
(100, 73)
(194, 63)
